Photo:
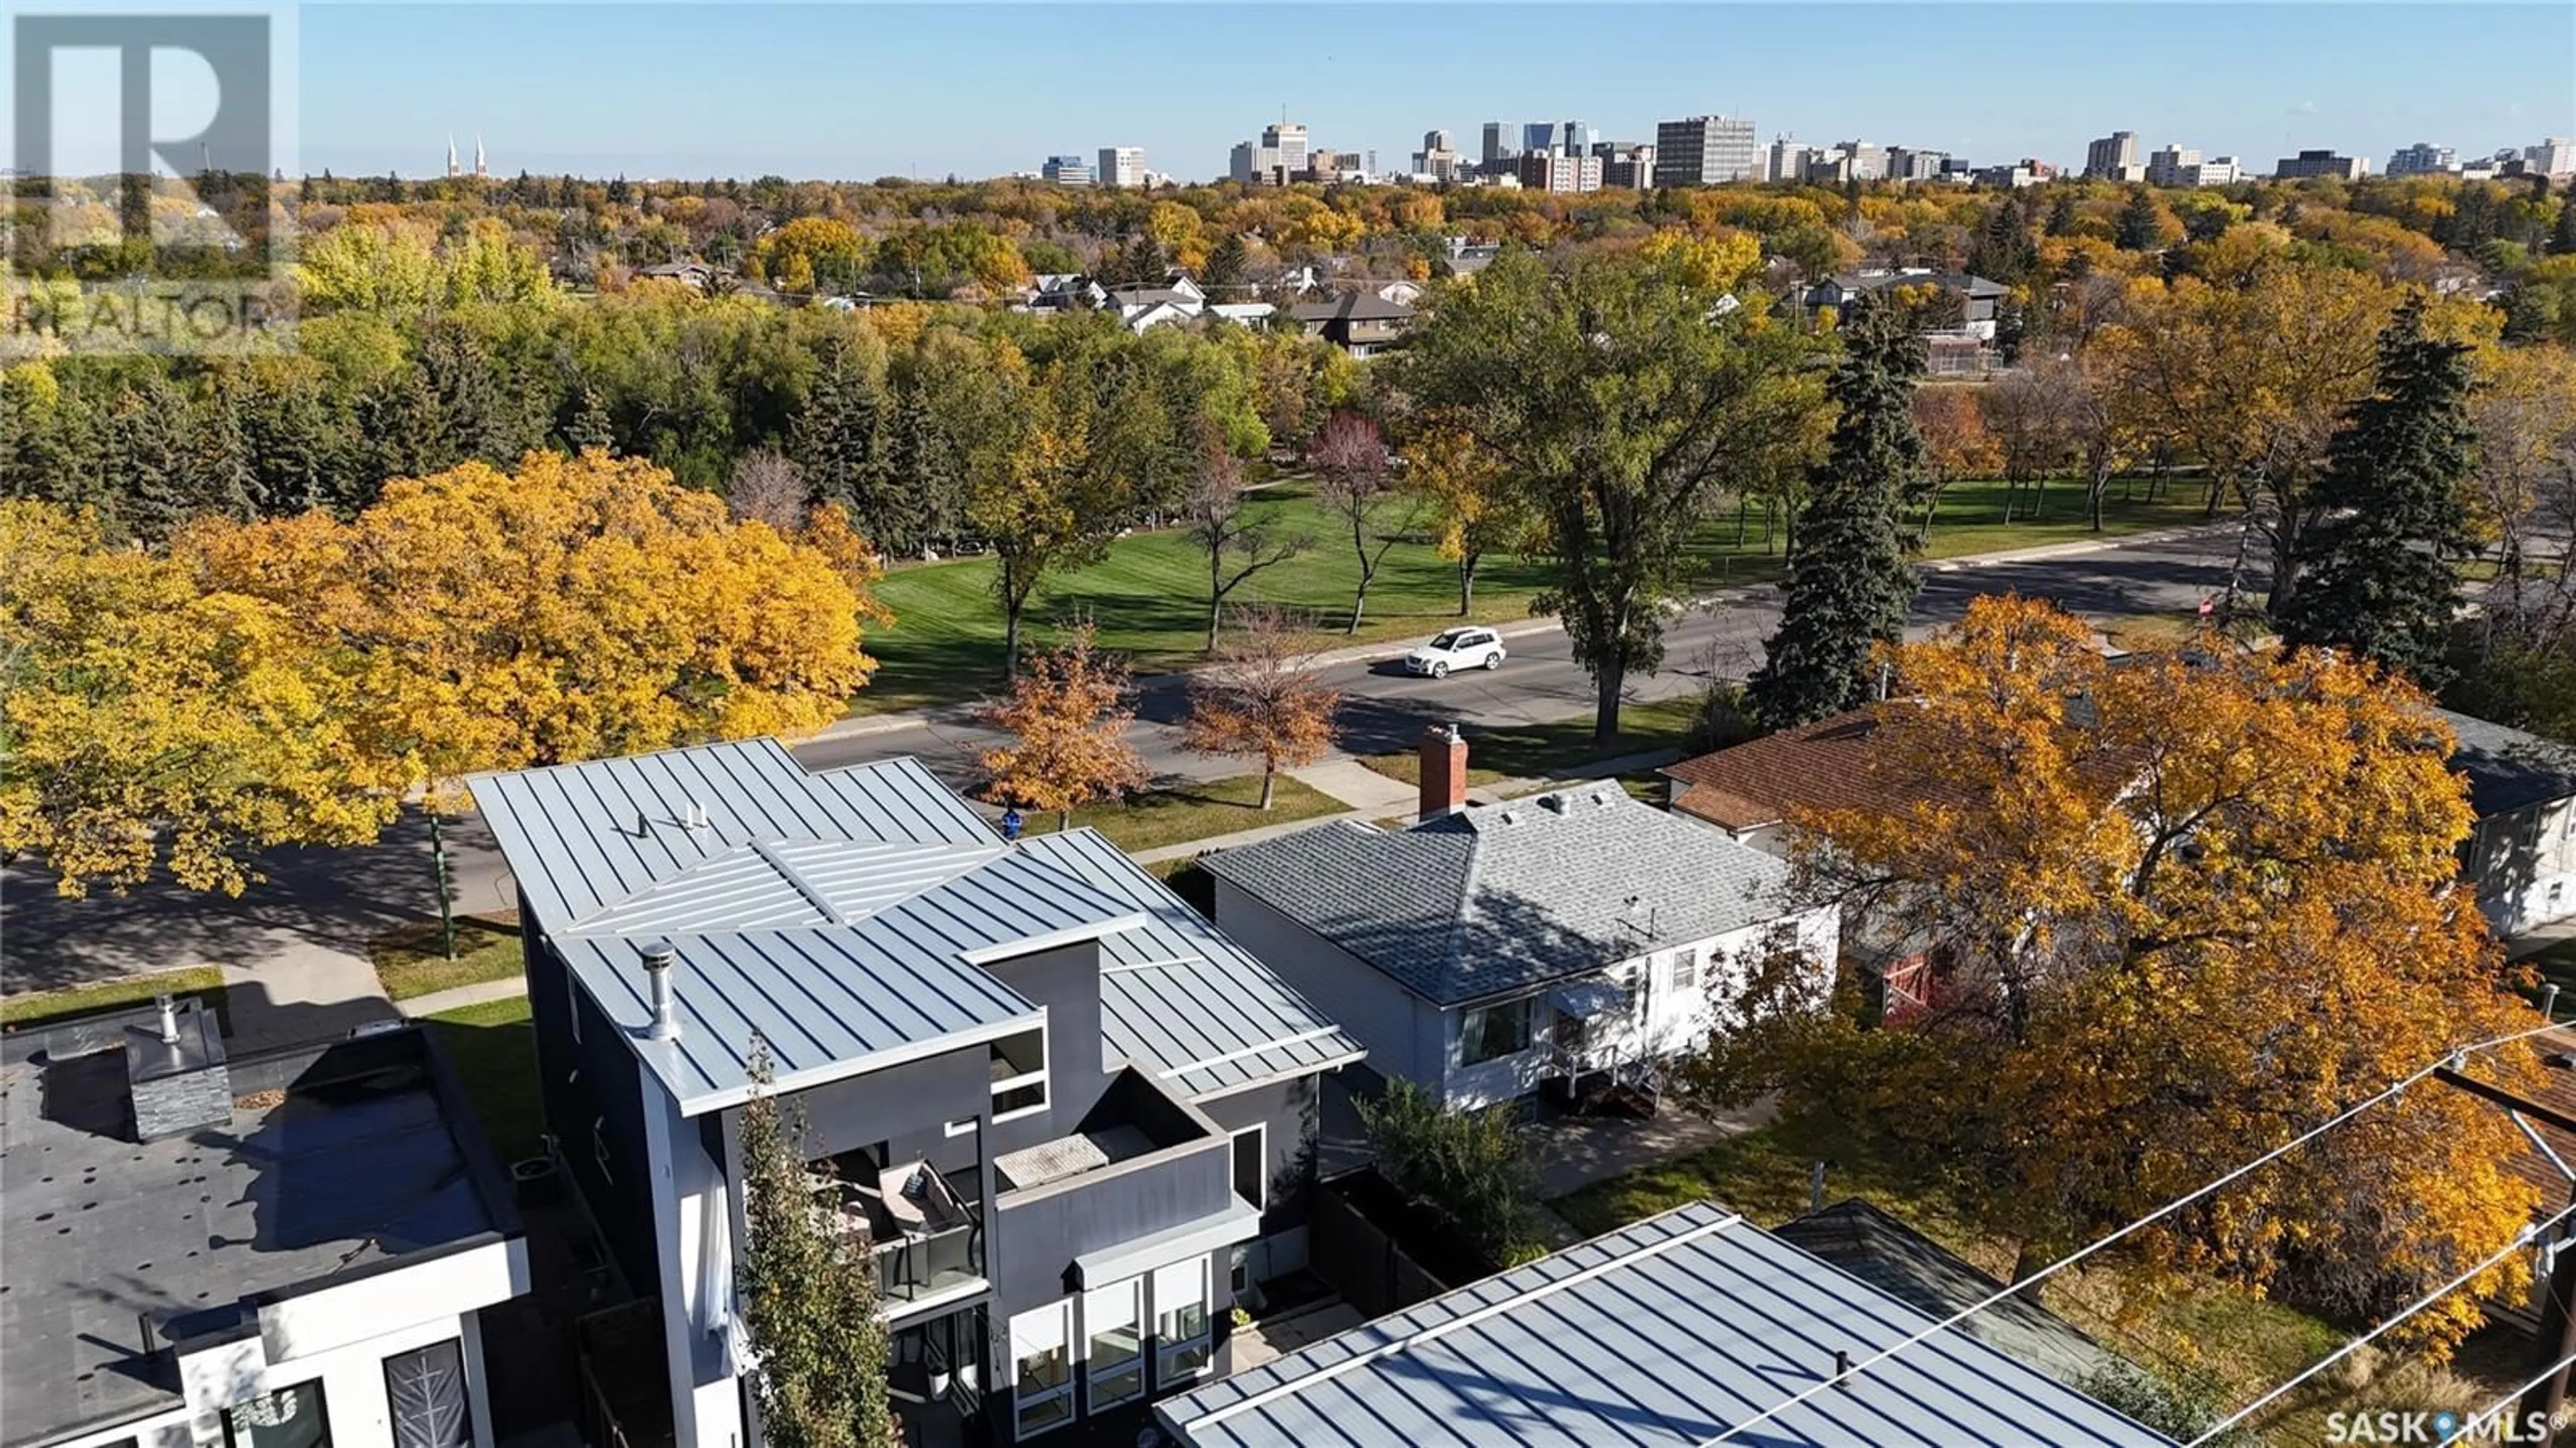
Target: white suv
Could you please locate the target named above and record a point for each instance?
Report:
(1459, 648)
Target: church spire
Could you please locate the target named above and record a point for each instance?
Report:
(451, 157)
(481, 171)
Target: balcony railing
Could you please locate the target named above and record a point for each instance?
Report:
(913, 1267)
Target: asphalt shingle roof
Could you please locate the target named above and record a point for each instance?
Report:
(1511, 896)
(1666, 1334)
(2507, 768)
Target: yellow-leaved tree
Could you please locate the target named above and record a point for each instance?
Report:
(146, 721)
(2179, 909)
(574, 608)
(1067, 713)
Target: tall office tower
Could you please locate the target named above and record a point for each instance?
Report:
(1705, 150)
(1122, 166)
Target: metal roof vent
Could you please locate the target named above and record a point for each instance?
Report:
(659, 961)
(1554, 803)
(697, 817)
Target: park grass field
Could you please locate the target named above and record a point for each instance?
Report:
(1148, 596)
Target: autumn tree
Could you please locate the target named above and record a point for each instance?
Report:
(2030, 413)
(1957, 444)
(808, 1282)
(2180, 909)
(2383, 564)
(769, 489)
(1264, 699)
(1067, 714)
(1849, 584)
(1468, 500)
(1239, 540)
(1621, 401)
(1033, 492)
(1355, 485)
(577, 608)
(149, 722)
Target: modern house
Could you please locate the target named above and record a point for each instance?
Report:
(282, 1250)
(1071, 1117)
(1360, 323)
(2522, 858)
(1560, 942)
(1686, 1330)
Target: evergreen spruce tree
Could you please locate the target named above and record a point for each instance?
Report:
(809, 1293)
(2001, 250)
(924, 467)
(1849, 584)
(591, 429)
(2381, 570)
(2061, 214)
(839, 439)
(1225, 262)
(152, 476)
(2139, 227)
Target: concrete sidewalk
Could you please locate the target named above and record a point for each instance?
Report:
(303, 993)
(457, 997)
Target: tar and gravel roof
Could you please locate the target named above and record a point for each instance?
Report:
(1667, 1334)
(1508, 897)
(843, 917)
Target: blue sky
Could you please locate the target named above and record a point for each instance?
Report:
(859, 91)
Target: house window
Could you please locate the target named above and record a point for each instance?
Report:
(1685, 969)
(1113, 1318)
(1042, 1390)
(1019, 1076)
(1181, 1321)
(288, 1418)
(425, 1397)
(1252, 1166)
(1489, 1033)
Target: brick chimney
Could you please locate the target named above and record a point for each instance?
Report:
(1444, 771)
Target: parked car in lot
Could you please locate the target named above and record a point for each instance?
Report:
(1459, 648)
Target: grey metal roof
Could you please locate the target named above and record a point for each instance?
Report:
(2509, 769)
(1511, 896)
(1181, 1000)
(842, 917)
(1664, 1335)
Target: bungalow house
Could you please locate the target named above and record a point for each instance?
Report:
(1070, 1116)
(1561, 942)
(1685, 1330)
(1360, 323)
(1977, 297)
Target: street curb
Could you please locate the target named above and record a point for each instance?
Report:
(1372, 653)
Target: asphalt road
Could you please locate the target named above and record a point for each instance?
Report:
(338, 899)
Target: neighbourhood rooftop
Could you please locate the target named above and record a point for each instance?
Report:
(1506, 897)
(843, 918)
(335, 1160)
(1667, 1334)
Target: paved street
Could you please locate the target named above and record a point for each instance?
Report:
(321, 905)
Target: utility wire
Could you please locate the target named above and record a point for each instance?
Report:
(2454, 1059)
(2520, 1241)
(2470, 1424)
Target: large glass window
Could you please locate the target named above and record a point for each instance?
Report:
(1252, 1166)
(425, 1396)
(1181, 1321)
(1019, 1075)
(1113, 1318)
(288, 1418)
(1042, 1389)
(1491, 1032)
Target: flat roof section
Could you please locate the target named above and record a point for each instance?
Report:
(337, 1159)
(1667, 1334)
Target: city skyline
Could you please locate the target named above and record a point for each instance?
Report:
(2257, 82)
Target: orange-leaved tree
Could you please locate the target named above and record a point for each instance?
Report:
(1067, 713)
(149, 721)
(2180, 908)
(575, 608)
(1265, 698)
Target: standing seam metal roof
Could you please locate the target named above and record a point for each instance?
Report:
(842, 915)
(1663, 1335)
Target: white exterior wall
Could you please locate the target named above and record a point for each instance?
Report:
(340, 1337)
(693, 1227)
(1349, 992)
(2523, 866)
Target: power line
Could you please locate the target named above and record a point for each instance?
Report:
(2521, 1239)
(2454, 1059)
(2470, 1424)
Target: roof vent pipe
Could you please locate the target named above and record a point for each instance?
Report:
(697, 818)
(1842, 1368)
(659, 958)
(169, 1018)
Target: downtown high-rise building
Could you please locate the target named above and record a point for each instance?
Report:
(2554, 156)
(1705, 150)
(1288, 139)
(1498, 146)
(1067, 170)
(2114, 158)
(1122, 166)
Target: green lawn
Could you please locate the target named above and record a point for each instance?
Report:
(1537, 750)
(494, 1046)
(2242, 1344)
(410, 963)
(1148, 596)
(81, 1000)
(1195, 812)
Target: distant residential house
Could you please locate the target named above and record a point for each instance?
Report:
(1559, 942)
(1359, 323)
(1403, 293)
(1685, 1330)
(2522, 857)
(1249, 314)
(1962, 348)
(1073, 1119)
(1060, 290)
(694, 274)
